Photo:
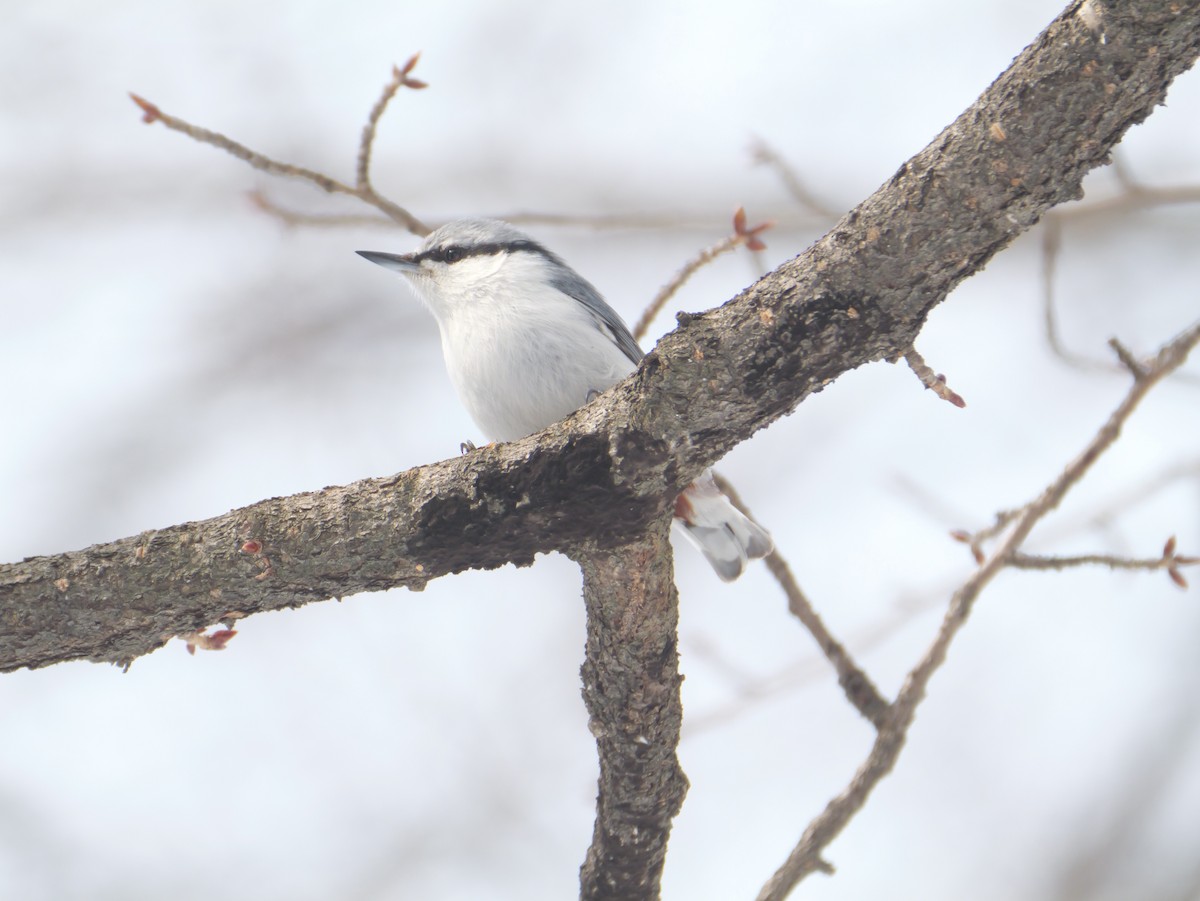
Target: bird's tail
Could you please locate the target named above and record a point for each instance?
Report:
(727, 538)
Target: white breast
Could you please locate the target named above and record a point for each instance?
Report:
(522, 360)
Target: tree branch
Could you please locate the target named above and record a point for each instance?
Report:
(741, 235)
(889, 742)
(400, 79)
(362, 190)
(860, 690)
(858, 295)
(631, 686)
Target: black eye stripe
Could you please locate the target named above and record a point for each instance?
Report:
(455, 252)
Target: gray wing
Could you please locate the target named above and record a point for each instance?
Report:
(572, 285)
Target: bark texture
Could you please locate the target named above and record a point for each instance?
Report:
(598, 479)
(631, 686)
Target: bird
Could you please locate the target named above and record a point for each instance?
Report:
(527, 341)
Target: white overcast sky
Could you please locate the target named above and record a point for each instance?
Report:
(168, 352)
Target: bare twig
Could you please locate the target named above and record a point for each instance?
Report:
(1133, 196)
(1135, 366)
(367, 194)
(1133, 199)
(741, 235)
(1170, 561)
(319, 220)
(859, 689)
(151, 113)
(811, 669)
(1139, 493)
(765, 155)
(806, 858)
(365, 191)
(808, 670)
(1122, 172)
(1051, 245)
(935, 382)
(630, 219)
(399, 80)
(975, 540)
(595, 221)
(1051, 248)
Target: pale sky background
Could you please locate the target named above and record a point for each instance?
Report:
(168, 352)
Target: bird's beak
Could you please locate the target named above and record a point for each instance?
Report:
(398, 262)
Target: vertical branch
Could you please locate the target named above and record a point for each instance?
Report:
(631, 686)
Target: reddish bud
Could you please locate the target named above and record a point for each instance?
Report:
(251, 546)
(150, 112)
(749, 236)
(961, 535)
(410, 65)
(214, 642)
(217, 640)
(1169, 547)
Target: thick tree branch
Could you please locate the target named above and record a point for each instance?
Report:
(858, 295)
(631, 686)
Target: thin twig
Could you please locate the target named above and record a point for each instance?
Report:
(631, 219)
(806, 858)
(1039, 561)
(319, 220)
(935, 382)
(1130, 201)
(595, 221)
(1051, 246)
(1141, 492)
(1135, 366)
(1124, 175)
(669, 290)
(975, 540)
(399, 79)
(741, 235)
(151, 113)
(806, 671)
(765, 155)
(859, 689)
(1133, 196)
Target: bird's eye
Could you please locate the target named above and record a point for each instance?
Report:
(452, 254)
